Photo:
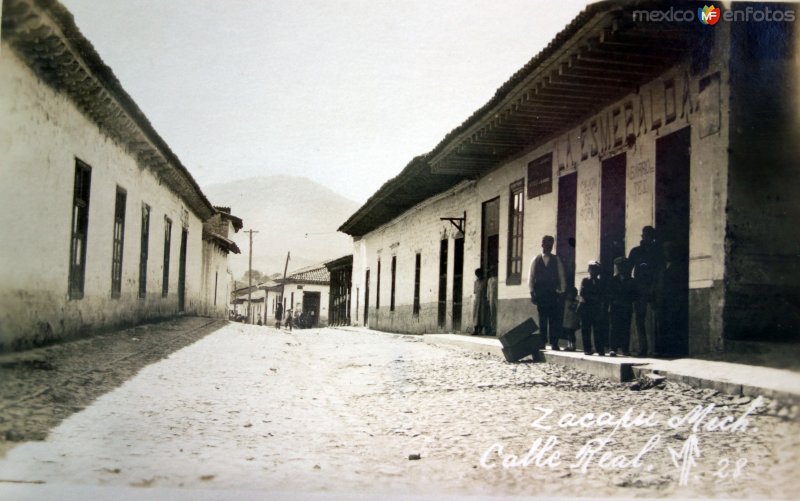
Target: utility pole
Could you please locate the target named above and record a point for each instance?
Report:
(250, 276)
(283, 284)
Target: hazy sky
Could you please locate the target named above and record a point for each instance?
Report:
(343, 92)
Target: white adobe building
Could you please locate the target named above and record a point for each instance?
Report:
(104, 224)
(307, 290)
(619, 123)
(217, 276)
(304, 290)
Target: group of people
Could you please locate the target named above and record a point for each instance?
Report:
(290, 319)
(604, 307)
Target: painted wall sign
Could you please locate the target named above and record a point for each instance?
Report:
(540, 176)
(708, 102)
(639, 178)
(619, 127)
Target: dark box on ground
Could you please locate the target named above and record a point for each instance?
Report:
(521, 341)
(518, 333)
(528, 346)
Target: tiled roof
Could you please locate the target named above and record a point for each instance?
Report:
(224, 243)
(340, 262)
(314, 274)
(225, 213)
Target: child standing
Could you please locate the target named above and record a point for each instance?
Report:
(593, 311)
(572, 319)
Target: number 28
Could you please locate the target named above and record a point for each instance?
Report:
(724, 468)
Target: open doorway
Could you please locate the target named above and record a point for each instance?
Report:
(458, 281)
(311, 306)
(182, 272)
(565, 224)
(442, 308)
(612, 212)
(672, 227)
(366, 299)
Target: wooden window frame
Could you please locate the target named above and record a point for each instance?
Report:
(167, 246)
(516, 221)
(378, 287)
(392, 289)
(118, 242)
(144, 250)
(79, 223)
(417, 273)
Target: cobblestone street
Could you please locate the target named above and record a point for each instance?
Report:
(345, 411)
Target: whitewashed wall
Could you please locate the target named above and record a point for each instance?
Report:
(41, 135)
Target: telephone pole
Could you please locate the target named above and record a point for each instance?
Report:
(250, 276)
(283, 284)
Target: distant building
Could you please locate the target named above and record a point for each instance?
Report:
(617, 124)
(257, 297)
(305, 292)
(103, 223)
(217, 276)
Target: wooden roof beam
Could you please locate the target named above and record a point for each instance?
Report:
(587, 86)
(583, 67)
(534, 115)
(631, 62)
(567, 97)
(492, 142)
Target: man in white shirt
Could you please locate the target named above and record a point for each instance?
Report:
(546, 283)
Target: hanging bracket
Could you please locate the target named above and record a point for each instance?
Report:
(459, 222)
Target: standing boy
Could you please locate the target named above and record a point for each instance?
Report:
(593, 311)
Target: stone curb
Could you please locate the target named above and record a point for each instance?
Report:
(618, 369)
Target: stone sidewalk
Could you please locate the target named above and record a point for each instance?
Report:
(725, 377)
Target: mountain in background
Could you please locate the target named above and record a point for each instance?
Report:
(291, 214)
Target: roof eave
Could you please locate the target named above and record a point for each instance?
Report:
(45, 35)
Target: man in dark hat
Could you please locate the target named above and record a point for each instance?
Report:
(545, 283)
